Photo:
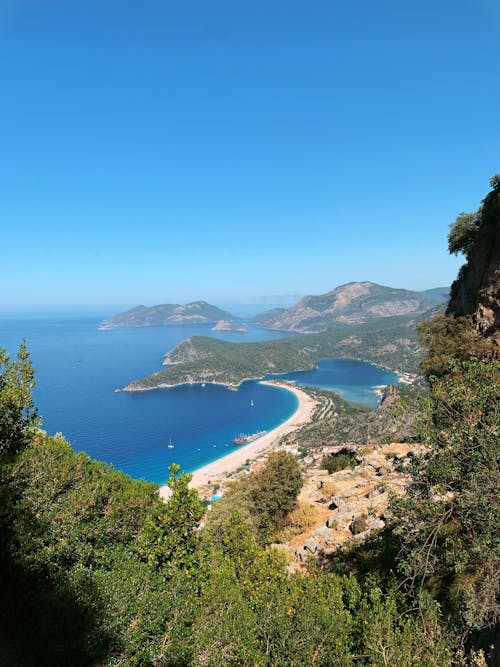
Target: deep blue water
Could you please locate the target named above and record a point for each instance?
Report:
(353, 380)
(78, 367)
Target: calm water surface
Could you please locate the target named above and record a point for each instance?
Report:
(354, 380)
(78, 368)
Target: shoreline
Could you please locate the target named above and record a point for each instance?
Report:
(231, 386)
(213, 472)
(403, 377)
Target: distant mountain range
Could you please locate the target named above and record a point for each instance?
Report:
(352, 303)
(167, 313)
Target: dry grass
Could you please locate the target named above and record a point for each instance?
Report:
(328, 489)
(302, 518)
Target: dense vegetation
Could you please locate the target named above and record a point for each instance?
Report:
(335, 421)
(390, 341)
(97, 570)
(338, 461)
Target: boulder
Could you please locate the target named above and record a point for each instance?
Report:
(300, 554)
(376, 524)
(359, 524)
(322, 533)
(311, 546)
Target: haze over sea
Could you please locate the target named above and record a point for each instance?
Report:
(78, 368)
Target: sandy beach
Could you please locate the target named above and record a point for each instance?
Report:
(218, 469)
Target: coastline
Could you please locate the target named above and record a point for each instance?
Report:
(212, 472)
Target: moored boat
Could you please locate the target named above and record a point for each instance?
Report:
(244, 439)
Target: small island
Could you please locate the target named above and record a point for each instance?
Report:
(197, 312)
(227, 325)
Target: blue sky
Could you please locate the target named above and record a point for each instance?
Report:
(161, 151)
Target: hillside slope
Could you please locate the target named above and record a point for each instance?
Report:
(352, 303)
(391, 342)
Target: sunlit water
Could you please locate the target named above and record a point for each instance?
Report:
(78, 368)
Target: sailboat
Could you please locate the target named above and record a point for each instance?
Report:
(252, 403)
(170, 445)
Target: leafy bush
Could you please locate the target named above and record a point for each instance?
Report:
(449, 522)
(339, 461)
(18, 415)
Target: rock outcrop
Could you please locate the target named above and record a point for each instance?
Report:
(476, 291)
(351, 503)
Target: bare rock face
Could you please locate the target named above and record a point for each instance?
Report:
(360, 500)
(476, 291)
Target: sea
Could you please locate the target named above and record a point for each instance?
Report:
(78, 368)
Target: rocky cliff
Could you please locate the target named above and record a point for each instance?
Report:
(476, 291)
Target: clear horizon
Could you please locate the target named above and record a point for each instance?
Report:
(257, 304)
(178, 151)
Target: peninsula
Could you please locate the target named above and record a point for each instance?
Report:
(390, 342)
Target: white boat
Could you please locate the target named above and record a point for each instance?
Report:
(170, 445)
(252, 403)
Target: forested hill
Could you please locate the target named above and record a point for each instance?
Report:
(391, 342)
(352, 303)
(168, 313)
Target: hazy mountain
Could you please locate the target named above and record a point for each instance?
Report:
(348, 304)
(167, 313)
(267, 315)
(440, 294)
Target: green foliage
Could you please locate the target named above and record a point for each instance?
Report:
(74, 589)
(446, 337)
(449, 522)
(253, 613)
(336, 422)
(274, 489)
(339, 461)
(78, 592)
(18, 415)
(168, 541)
(495, 181)
(70, 510)
(261, 499)
(390, 634)
(389, 341)
(147, 618)
(463, 233)
(238, 497)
